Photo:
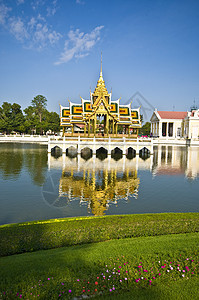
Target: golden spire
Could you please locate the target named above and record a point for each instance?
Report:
(100, 88)
(101, 67)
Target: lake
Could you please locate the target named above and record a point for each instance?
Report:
(35, 185)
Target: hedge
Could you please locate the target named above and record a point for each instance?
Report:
(39, 235)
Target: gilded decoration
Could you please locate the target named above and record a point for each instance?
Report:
(100, 115)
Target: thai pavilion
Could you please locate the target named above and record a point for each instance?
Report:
(100, 115)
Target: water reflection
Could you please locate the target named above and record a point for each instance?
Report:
(101, 181)
(97, 183)
(35, 185)
(98, 188)
(15, 157)
(176, 160)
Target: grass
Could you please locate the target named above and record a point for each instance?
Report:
(34, 236)
(49, 273)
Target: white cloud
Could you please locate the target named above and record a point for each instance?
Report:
(79, 2)
(3, 13)
(20, 2)
(79, 44)
(51, 10)
(32, 23)
(34, 32)
(36, 3)
(17, 28)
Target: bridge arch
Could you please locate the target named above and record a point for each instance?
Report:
(144, 153)
(131, 153)
(86, 153)
(116, 153)
(102, 153)
(71, 151)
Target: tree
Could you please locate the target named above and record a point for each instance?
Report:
(146, 129)
(31, 119)
(53, 121)
(39, 103)
(5, 117)
(17, 118)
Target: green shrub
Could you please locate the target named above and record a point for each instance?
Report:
(33, 236)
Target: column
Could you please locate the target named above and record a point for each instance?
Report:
(89, 128)
(94, 125)
(160, 129)
(113, 127)
(107, 125)
(72, 129)
(84, 129)
(63, 131)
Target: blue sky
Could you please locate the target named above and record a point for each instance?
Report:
(53, 48)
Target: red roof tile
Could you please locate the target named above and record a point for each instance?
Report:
(172, 114)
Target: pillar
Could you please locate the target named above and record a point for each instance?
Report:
(94, 125)
(113, 127)
(72, 129)
(107, 125)
(63, 131)
(89, 128)
(84, 129)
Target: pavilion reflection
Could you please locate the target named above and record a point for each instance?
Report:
(96, 183)
(98, 188)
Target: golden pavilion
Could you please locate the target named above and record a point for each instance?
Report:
(100, 116)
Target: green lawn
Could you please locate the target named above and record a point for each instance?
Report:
(66, 271)
(40, 235)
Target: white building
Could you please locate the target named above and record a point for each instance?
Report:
(175, 124)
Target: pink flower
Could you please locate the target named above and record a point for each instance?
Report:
(69, 291)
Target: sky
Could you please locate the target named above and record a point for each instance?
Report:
(53, 48)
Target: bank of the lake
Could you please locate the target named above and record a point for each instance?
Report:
(152, 256)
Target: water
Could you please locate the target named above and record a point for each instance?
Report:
(35, 185)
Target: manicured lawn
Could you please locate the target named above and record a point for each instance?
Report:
(65, 272)
(40, 235)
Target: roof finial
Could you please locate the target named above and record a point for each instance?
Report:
(101, 66)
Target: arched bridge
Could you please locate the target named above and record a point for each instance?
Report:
(94, 144)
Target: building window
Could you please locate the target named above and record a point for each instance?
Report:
(178, 131)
